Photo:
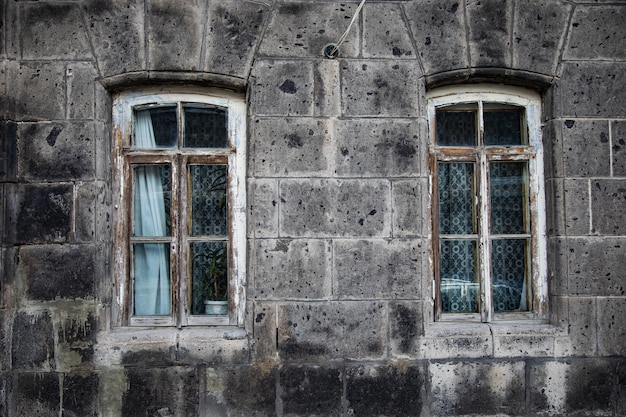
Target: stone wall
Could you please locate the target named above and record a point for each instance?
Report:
(339, 316)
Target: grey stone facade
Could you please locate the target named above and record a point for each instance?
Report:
(339, 317)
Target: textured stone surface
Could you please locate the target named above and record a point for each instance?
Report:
(488, 33)
(407, 202)
(307, 388)
(282, 88)
(597, 33)
(37, 394)
(611, 327)
(405, 328)
(80, 394)
(33, 342)
(618, 147)
(263, 200)
(607, 204)
(586, 148)
(31, 87)
(577, 207)
(597, 266)
(383, 39)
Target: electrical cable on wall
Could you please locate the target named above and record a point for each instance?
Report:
(331, 50)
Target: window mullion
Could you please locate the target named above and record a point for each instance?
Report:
(182, 240)
(484, 244)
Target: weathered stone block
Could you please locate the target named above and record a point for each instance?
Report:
(558, 266)
(453, 340)
(547, 390)
(37, 394)
(382, 39)
(555, 207)
(385, 390)
(406, 327)
(582, 319)
(612, 326)
(618, 143)
(307, 389)
(348, 329)
(161, 392)
(53, 31)
(488, 26)
(32, 341)
(597, 266)
(8, 154)
(282, 88)
(408, 211)
(553, 147)
(577, 207)
(76, 339)
(264, 329)
(607, 205)
(292, 269)
(586, 148)
(80, 90)
(174, 34)
(263, 200)
(524, 345)
(318, 208)
(80, 395)
(589, 387)
(58, 271)
(462, 388)
(37, 90)
(248, 390)
(539, 29)
(379, 88)
(56, 151)
(117, 34)
(597, 33)
(89, 198)
(242, 24)
(377, 268)
(378, 148)
(593, 89)
(39, 213)
(438, 28)
(327, 88)
(292, 147)
(302, 30)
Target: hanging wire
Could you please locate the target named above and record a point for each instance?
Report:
(332, 51)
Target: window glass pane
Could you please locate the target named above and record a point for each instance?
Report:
(155, 127)
(209, 271)
(456, 209)
(209, 201)
(508, 270)
(151, 279)
(152, 195)
(508, 185)
(456, 128)
(503, 127)
(205, 126)
(459, 285)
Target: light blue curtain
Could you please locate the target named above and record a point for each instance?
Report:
(152, 280)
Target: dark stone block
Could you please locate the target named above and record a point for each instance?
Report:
(37, 87)
(618, 143)
(597, 266)
(597, 33)
(310, 390)
(8, 154)
(39, 213)
(37, 394)
(154, 392)
(385, 390)
(608, 201)
(58, 271)
(79, 336)
(589, 387)
(33, 341)
(586, 148)
(405, 327)
(251, 390)
(489, 23)
(80, 395)
(612, 326)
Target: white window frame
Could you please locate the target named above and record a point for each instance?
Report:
(531, 102)
(123, 105)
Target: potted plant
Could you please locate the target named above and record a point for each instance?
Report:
(214, 281)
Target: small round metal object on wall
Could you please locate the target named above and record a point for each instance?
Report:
(331, 51)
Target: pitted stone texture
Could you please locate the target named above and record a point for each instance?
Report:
(175, 32)
(37, 394)
(327, 91)
(555, 215)
(264, 329)
(407, 208)
(586, 150)
(263, 200)
(553, 148)
(32, 345)
(379, 88)
(80, 89)
(557, 266)
(597, 32)
(91, 222)
(588, 387)
(597, 266)
(320, 331)
(608, 198)
(302, 30)
(36, 90)
(385, 34)
(56, 151)
(618, 146)
(307, 388)
(539, 29)
(39, 213)
(406, 327)
(489, 37)
(53, 31)
(9, 154)
(117, 34)
(76, 339)
(477, 388)
(385, 390)
(247, 390)
(322, 208)
(292, 147)
(287, 269)
(582, 318)
(80, 394)
(58, 271)
(282, 88)
(438, 27)
(577, 220)
(593, 89)
(377, 148)
(377, 269)
(452, 340)
(546, 383)
(241, 23)
(612, 326)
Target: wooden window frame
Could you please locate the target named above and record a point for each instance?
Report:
(234, 156)
(480, 156)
